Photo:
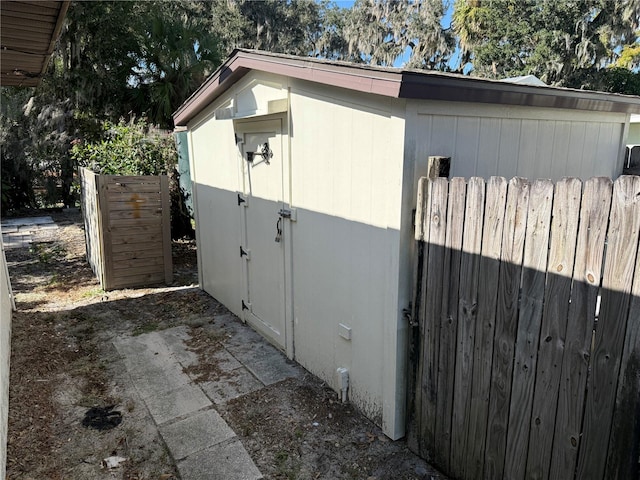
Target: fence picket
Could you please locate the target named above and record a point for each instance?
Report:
(506, 323)
(422, 233)
(624, 447)
(594, 214)
(622, 247)
(524, 369)
(449, 319)
(434, 258)
(467, 313)
(485, 323)
(564, 230)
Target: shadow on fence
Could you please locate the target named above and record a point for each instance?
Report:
(527, 357)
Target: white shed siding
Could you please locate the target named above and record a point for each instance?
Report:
(344, 181)
(485, 140)
(346, 187)
(349, 163)
(216, 183)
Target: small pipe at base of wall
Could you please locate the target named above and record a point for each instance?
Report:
(343, 380)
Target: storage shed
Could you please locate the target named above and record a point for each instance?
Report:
(305, 175)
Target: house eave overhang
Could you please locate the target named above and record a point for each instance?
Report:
(397, 83)
(28, 34)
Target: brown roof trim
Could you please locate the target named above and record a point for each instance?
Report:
(469, 89)
(343, 75)
(397, 83)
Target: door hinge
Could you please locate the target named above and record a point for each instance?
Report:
(241, 200)
(245, 253)
(244, 306)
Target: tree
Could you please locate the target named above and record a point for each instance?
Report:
(563, 43)
(274, 25)
(380, 31)
(629, 56)
(148, 60)
(330, 40)
(177, 52)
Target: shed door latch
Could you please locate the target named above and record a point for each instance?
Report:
(285, 213)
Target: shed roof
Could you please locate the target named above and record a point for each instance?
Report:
(397, 83)
(28, 34)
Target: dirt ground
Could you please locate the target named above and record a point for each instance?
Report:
(63, 364)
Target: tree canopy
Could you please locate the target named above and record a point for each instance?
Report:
(125, 60)
(565, 43)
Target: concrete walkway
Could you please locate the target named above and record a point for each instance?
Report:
(18, 232)
(200, 441)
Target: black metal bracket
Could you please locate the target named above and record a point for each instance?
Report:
(244, 306)
(243, 252)
(240, 200)
(265, 152)
(284, 213)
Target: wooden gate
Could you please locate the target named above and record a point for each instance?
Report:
(528, 351)
(127, 228)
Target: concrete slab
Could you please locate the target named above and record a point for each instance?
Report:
(239, 383)
(27, 221)
(18, 232)
(225, 361)
(273, 369)
(228, 320)
(227, 461)
(239, 334)
(156, 381)
(148, 344)
(195, 433)
(251, 349)
(176, 403)
(175, 339)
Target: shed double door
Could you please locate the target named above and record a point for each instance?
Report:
(263, 224)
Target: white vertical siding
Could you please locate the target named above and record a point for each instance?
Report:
(216, 183)
(346, 187)
(516, 141)
(342, 266)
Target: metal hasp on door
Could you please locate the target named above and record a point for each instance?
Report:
(261, 208)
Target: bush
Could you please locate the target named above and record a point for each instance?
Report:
(127, 149)
(133, 148)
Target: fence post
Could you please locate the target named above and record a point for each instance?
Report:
(438, 167)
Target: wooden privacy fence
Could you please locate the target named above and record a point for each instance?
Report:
(127, 228)
(528, 306)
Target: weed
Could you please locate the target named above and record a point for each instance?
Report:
(47, 252)
(285, 466)
(93, 292)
